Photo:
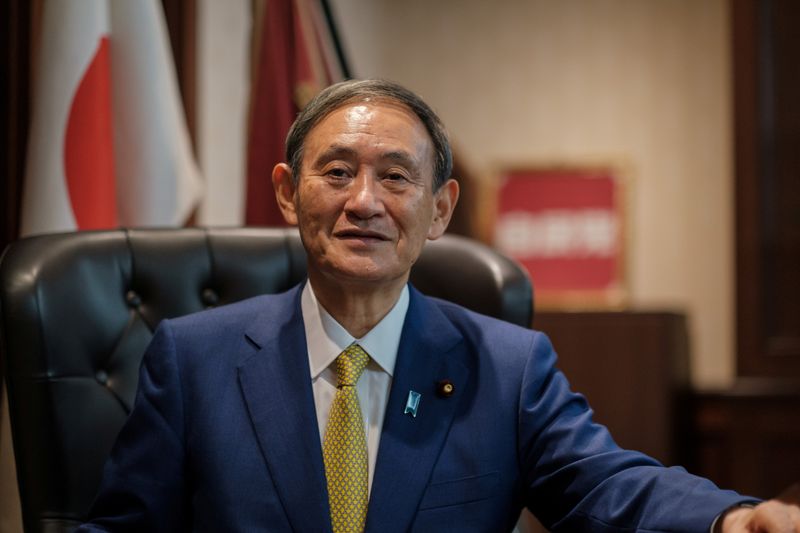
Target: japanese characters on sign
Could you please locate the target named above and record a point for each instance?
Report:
(565, 226)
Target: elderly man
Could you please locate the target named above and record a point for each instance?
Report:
(352, 402)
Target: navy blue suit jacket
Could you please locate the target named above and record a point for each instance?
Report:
(224, 436)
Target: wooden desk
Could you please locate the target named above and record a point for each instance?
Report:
(633, 367)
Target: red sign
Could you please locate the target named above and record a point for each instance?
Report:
(565, 227)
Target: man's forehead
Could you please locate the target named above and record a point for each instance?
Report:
(362, 107)
(350, 116)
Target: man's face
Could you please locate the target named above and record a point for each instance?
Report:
(364, 200)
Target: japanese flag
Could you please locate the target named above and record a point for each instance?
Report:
(108, 142)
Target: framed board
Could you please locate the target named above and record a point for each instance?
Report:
(565, 225)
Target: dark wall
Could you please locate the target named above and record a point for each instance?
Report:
(766, 46)
(748, 437)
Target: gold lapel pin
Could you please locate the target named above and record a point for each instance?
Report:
(445, 388)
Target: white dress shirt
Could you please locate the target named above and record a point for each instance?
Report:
(326, 339)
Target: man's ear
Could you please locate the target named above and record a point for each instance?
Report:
(284, 192)
(444, 202)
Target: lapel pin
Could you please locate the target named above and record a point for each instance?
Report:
(412, 404)
(445, 388)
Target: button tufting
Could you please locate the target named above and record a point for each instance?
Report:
(101, 376)
(133, 299)
(210, 297)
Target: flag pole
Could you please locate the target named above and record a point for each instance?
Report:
(337, 43)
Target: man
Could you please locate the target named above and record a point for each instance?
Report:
(353, 402)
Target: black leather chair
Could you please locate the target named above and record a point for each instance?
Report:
(77, 310)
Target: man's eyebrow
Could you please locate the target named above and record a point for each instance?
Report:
(344, 152)
(400, 157)
(335, 152)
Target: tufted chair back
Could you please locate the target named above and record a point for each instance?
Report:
(77, 311)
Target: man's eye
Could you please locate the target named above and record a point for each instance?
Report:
(337, 172)
(395, 176)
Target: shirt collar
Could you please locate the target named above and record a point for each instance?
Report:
(326, 338)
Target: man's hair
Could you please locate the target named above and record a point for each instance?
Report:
(346, 92)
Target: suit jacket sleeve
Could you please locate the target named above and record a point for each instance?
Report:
(143, 482)
(578, 479)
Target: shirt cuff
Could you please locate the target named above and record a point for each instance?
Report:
(716, 525)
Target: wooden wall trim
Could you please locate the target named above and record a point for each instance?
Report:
(767, 162)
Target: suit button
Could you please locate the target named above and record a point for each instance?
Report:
(133, 299)
(210, 297)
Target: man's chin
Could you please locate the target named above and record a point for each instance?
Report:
(357, 272)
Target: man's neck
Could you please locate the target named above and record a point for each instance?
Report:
(358, 307)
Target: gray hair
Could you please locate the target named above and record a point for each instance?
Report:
(346, 92)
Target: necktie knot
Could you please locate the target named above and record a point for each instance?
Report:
(350, 364)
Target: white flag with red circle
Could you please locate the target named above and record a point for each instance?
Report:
(108, 143)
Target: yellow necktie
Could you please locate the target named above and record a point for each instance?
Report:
(344, 448)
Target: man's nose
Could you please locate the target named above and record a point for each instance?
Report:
(365, 196)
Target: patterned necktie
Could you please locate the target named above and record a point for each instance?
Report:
(344, 448)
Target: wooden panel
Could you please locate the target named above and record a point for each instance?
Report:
(633, 369)
(767, 121)
(15, 69)
(747, 438)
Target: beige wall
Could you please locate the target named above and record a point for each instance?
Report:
(644, 83)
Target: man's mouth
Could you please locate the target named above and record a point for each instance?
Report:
(360, 234)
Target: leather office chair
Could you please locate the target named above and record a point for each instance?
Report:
(77, 311)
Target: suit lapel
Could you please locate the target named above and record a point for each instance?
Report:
(276, 385)
(431, 349)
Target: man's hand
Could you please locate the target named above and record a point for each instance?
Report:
(772, 516)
